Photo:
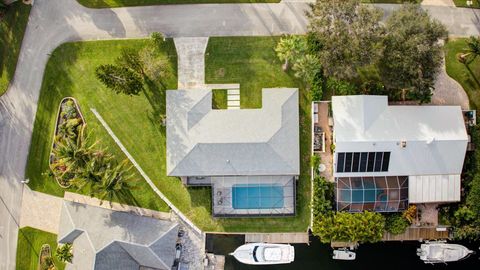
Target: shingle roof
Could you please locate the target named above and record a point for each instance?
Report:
(435, 136)
(204, 141)
(105, 239)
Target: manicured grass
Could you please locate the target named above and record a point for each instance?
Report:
(251, 61)
(29, 244)
(219, 98)
(12, 28)
(467, 75)
(463, 3)
(125, 3)
(71, 72)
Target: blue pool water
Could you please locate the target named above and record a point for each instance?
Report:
(257, 196)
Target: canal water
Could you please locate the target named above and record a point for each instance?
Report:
(317, 256)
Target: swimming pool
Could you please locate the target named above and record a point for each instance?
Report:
(257, 196)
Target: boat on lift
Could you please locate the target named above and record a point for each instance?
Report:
(343, 254)
(264, 254)
(442, 252)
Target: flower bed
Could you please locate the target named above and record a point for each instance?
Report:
(70, 123)
(45, 260)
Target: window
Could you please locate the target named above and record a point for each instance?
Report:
(363, 161)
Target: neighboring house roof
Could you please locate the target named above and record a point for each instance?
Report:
(435, 136)
(202, 141)
(105, 239)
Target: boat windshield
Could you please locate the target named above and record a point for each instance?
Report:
(255, 253)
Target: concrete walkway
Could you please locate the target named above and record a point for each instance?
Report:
(52, 23)
(79, 198)
(448, 91)
(191, 62)
(40, 211)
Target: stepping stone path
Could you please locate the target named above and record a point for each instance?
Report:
(233, 99)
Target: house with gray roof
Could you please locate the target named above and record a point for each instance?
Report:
(104, 239)
(249, 156)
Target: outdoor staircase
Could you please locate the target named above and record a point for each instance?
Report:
(233, 99)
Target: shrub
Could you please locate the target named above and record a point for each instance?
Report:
(341, 88)
(315, 162)
(349, 227)
(322, 196)
(396, 223)
(64, 253)
(410, 213)
(316, 87)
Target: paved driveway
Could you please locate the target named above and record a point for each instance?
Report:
(55, 22)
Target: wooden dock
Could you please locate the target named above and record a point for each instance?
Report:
(280, 238)
(417, 234)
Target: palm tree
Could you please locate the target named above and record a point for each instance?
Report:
(289, 48)
(307, 67)
(116, 183)
(91, 174)
(473, 50)
(71, 156)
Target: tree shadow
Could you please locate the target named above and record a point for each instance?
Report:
(156, 95)
(472, 74)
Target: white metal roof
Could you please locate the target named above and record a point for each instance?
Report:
(434, 188)
(202, 141)
(435, 136)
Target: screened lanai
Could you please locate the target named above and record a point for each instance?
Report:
(379, 194)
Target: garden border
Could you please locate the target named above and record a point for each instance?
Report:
(84, 123)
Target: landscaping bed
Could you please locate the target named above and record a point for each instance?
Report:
(69, 124)
(45, 260)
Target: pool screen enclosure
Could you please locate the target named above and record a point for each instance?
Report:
(379, 194)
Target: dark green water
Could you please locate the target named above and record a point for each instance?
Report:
(317, 256)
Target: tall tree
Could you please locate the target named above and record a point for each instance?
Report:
(349, 35)
(130, 58)
(290, 48)
(119, 79)
(413, 54)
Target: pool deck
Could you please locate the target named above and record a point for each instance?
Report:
(222, 195)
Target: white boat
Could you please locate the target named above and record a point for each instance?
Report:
(264, 253)
(343, 254)
(441, 252)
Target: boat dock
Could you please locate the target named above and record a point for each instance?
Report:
(280, 238)
(417, 234)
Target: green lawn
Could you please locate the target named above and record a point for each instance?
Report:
(124, 3)
(467, 75)
(219, 99)
(29, 244)
(251, 61)
(12, 28)
(463, 3)
(70, 72)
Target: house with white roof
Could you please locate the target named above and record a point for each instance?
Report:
(389, 156)
(250, 157)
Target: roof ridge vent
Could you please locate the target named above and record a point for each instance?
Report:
(431, 140)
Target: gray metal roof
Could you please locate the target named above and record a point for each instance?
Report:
(106, 239)
(202, 141)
